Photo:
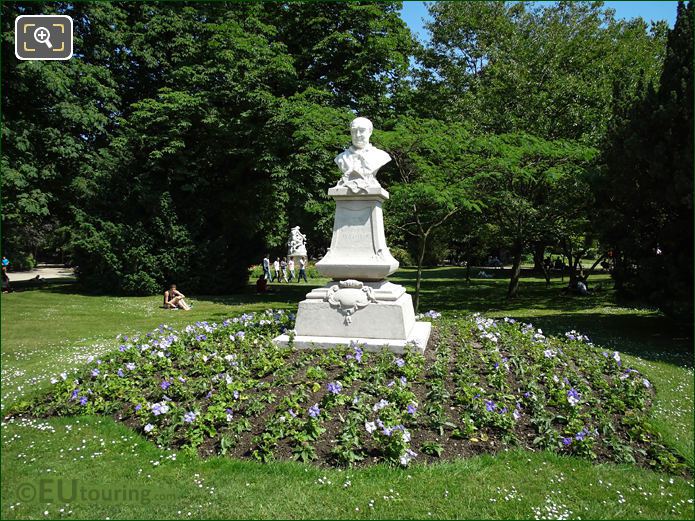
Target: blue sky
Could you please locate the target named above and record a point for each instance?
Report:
(414, 12)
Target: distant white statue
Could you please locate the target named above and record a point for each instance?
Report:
(296, 245)
(360, 163)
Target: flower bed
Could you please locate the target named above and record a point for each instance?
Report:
(482, 386)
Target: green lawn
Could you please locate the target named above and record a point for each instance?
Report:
(47, 330)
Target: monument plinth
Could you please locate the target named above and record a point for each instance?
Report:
(359, 305)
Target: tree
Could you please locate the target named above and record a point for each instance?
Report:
(155, 150)
(645, 187)
(544, 70)
(432, 179)
(524, 173)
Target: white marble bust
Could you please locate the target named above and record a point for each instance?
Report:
(360, 163)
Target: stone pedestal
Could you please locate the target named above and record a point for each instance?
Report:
(358, 246)
(359, 305)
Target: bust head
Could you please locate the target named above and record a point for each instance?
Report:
(361, 130)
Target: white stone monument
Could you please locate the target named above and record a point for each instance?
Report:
(359, 304)
(296, 245)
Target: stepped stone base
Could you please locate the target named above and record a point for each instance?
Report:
(418, 338)
(377, 314)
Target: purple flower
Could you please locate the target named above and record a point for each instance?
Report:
(95, 372)
(335, 387)
(235, 394)
(516, 414)
(159, 408)
(149, 427)
(230, 414)
(130, 366)
(292, 413)
(165, 385)
(404, 380)
(490, 405)
(582, 434)
(358, 354)
(74, 394)
(412, 409)
(566, 441)
(189, 417)
(83, 400)
(122, 348)
(138, 407)
(120, 372)
(573, 397)
(240, 335)
(527, 394)
(399, 362)
(201, 338)
(314, 410)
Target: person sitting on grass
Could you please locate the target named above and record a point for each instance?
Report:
(174, 299)
(262, 284)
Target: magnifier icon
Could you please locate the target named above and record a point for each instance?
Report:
(42, 35)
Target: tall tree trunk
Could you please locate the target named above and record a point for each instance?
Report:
(420, 259)
(538, 262)
(593, 267)
(538, 255)
(517, 250)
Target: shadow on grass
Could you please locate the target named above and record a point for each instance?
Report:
(600, 315)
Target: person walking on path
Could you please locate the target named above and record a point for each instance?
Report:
(276, 269)
(266, 266)
(283, 268)
(302, 270)
(290, 269)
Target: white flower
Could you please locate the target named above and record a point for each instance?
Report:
(370, 427)
(549, 353)
(149, 427)
(646, 383)
(407, 456)
(616, 356)
(380, 405)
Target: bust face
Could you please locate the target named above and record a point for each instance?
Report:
(361, 131)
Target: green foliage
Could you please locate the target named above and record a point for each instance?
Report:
(646, 185)
(162, 133)
(543, 69)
